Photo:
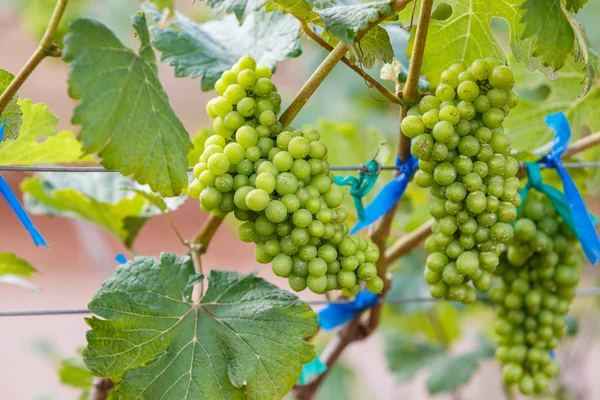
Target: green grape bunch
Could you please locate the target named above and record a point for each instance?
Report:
(464, 160)
(277, 182)
(538, 275)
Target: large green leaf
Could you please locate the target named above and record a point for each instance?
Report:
(455, 370)
(125, 113)
(525, 124)
(38, 141)
(211, 48)
(406, 355)
(375, 48)
(15, 270)
(12, 113)
(554, 45)
(245, 339)
(73, 372)
(575, 5)
(99, 198)
(465, 35)
(346, 21)
(301, 9)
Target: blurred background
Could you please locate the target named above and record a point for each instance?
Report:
(414, 340)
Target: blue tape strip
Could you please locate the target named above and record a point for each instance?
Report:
(120, 258)
(335, 315)
(312, 369)
(584, 225)
(389, 195)
(20, 212)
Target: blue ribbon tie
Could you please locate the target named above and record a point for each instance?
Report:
(338, 314)
(361, 186)
(312, 369)
(2, 129)
(20, 212)
(583, 222)
(389, 195)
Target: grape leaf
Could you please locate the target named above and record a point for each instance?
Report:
(240, 8)
(95, 197)
(12, 113)
(465, 35)
(525, 124)
(406, 355)
(245, 339)
(452, 371)
(346, 21)
(211, 48)
(38, 141)
(376, 48)
(125, 113)
(15, 270)
(302, 10)
(554, 45)
(73, 372)
(575, 5)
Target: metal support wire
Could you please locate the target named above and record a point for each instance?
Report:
(357, 168)
(581, 292)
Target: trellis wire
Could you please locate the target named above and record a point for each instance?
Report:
(581, 292)
(357, 168)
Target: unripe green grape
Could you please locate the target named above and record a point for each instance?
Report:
(224, 183)
(467, 91)
(427, 103)
(469, 146)
(234, 93)
(439, 152)
(412, 126)
(301, 169)
(444, 92)
(221, 129)
(423, 179)
(263, 87)
(421, 146)
(317, 284)
(317, 150)
(210, 198)
(375, 285)
(502, 78)
(195, 188)
(444, 174)
(449, 114)
(276, 211)
(297, 283)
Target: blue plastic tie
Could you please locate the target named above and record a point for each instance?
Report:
(552, 355)
(20, 212)
(584, 224)
(361, 186)
(312, 369)
(338, 314)
(120, 258)
(389, 195)
(2, 129)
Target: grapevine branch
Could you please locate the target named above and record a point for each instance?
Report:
(46, 47)
(336, 55)
(388, 94)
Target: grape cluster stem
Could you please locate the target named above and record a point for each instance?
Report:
(45, 48)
